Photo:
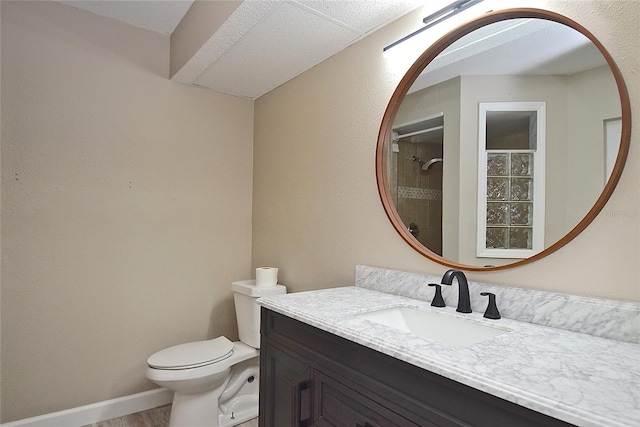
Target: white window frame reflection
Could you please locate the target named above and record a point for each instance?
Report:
(538, 181)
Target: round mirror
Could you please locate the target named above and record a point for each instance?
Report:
(503, 141)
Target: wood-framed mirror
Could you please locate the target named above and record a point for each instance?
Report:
(466, 173)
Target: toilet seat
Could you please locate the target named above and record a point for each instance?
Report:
(192, 355)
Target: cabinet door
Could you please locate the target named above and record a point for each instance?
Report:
(285, 389)
(335, 404)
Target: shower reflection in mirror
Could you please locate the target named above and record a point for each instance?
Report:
(416, 177)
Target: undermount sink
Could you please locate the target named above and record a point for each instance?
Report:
(441, 327)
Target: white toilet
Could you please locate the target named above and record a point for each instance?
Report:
(215, 382)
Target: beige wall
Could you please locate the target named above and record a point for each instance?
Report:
(126, 208)
(126, 199)
(317, 212)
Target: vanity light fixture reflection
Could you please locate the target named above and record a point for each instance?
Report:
(437, 17)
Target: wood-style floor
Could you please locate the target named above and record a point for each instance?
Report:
(157, 417)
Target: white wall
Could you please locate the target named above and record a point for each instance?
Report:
(126, 207)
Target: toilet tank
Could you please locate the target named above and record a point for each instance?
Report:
(245, 295)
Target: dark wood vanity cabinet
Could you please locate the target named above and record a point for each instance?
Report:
(309, 377)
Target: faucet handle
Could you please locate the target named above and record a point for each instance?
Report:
(492, 309)
(437, 301)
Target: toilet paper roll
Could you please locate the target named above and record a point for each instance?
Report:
(266, 276)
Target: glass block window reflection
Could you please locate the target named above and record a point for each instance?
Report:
(509, 212)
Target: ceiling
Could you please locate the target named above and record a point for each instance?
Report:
(263, 43)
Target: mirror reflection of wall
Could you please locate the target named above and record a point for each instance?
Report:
(612, 135)
(511, 130)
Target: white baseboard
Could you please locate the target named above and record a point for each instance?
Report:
(96, 412)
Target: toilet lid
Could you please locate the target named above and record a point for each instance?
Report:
(192, 354)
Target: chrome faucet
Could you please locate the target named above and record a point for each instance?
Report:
(464, 304)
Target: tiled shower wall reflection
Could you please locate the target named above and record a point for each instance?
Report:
(419, 192)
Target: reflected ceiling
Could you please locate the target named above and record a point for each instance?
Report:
(512, 47)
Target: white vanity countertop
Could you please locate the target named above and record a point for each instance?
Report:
(578, 378)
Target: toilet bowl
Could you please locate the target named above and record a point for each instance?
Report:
(216, 382)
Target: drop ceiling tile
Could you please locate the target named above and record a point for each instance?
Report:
(242, 21)
(284, 44)
(362, 15)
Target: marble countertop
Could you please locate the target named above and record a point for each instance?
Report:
(578, 378)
